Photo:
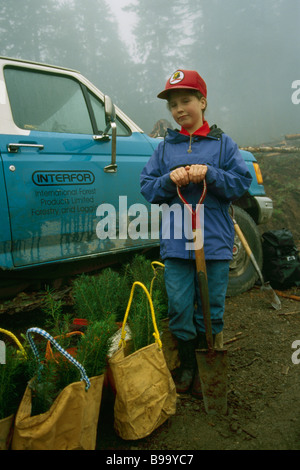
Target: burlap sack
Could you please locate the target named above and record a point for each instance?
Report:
(71, 422)
(169, 346)
(145, 391)
(6, 426)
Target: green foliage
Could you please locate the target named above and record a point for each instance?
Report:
(139, 319)
(57, 323)
(94, 346)
(105, 297)
(51, 376)
(141, 270)
(140, 322)
(138, 270)
(102, 300)
(159, 293)
(100, 297)
(44, 388)
(47, 376)
(12, 382)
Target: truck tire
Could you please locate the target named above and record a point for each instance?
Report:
(242, 274)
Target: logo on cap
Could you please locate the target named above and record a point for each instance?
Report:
(176, 77)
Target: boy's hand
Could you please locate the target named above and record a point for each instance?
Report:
(196, 173)
(189, 174)
(180, 176)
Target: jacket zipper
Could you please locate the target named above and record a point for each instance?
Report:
(190, 146)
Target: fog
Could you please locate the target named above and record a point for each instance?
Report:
(247, 52)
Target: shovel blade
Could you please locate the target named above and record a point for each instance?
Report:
(271, 294)
(213, 369)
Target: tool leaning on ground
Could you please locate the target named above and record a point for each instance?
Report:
(212, 363)
(265, 286)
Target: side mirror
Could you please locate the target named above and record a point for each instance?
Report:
(110, 116)
(110, 112)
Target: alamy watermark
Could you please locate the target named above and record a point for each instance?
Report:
(2, 353)
(296, 354)
(137, 221)
(296, 94)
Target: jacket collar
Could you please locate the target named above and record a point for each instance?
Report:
(203, 131)
(174, 136)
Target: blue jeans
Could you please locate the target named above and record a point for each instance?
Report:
(185, 313)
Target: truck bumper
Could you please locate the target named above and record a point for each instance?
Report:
(265, 209)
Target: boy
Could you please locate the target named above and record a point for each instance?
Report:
(185, 158)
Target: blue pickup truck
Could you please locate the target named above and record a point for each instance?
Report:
(69, 177)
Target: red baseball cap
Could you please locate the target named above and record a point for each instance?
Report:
(184, 79)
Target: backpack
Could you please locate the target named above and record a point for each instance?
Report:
(281, 262)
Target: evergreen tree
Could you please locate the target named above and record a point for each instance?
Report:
(68, 33)
(246, 52)
(162, 38)
(23, 28)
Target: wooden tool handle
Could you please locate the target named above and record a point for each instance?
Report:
(248, 250)
(204, 294)
(242, 238)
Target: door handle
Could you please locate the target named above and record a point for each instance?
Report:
(13, 148)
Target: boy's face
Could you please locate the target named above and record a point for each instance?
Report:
(187, 109)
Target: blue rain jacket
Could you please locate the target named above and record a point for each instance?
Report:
(227, 179)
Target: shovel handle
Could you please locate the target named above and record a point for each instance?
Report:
(204, 295)
(242, 238)
(200, 264)
(189, 207)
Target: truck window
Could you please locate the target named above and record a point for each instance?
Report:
(47, 102)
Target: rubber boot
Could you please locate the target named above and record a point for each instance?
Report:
(184, 375)
(196, 388)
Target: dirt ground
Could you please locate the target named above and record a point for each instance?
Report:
(263, 381)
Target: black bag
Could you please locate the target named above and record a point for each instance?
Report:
(281, 262)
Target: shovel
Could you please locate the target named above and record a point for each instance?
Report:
(265, 286)
(212, 363)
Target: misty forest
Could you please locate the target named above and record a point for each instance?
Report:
(247, 52)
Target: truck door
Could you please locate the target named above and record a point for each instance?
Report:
(54, 168)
